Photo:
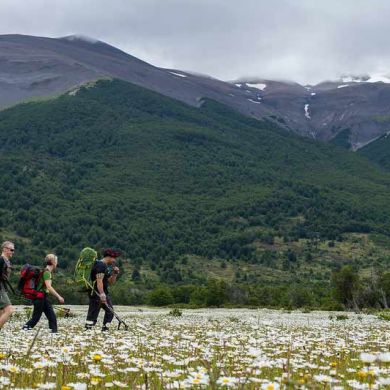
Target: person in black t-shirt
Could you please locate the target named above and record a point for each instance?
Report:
(101, 278)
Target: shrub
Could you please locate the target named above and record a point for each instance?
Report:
(175, 312)
(160, 296)
(384, 315)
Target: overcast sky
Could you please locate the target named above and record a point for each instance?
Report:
(303, 40)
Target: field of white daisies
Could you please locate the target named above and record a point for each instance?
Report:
(201, 349)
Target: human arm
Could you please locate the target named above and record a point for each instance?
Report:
(112, 278)
(52, 291)
(100, 287)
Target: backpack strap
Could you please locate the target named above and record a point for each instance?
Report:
(40, 277)
(2, 266)
(9, 285)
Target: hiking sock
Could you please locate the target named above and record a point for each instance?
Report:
(89, 324)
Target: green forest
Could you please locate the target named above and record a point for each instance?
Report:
(210, 208)
(378, 151)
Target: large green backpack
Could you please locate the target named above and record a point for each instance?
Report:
(82, 272)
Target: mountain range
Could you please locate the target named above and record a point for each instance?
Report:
(351, 112)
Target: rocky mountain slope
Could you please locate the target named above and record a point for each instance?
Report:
(352, 111)
(39, 67)
(356, 109)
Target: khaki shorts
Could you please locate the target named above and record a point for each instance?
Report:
(4, 299)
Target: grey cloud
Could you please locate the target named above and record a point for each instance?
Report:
(303, 40)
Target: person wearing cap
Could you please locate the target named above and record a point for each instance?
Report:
(103, 274)
(6, 309)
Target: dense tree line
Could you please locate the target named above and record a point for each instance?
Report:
(117, 165)
(345, 291)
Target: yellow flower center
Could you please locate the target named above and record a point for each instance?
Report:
(97, 357)
(362, 374)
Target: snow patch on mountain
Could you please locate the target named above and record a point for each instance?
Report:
(307, 112)
(260, 86)
(343, 86)
(80, 37)
(254, 101)
(379, 79)
(350, 79)
(374, 78)
(178, 74)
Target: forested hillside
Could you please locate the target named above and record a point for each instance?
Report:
(194, 197)
(378, 151)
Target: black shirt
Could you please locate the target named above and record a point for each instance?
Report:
(5, 270)
(100, 268)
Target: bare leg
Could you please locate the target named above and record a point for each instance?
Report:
(5, 314)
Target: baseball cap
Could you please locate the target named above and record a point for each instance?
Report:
(111, 253)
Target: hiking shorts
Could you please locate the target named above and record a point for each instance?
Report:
(4, 299)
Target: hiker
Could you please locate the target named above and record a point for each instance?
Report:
(42, 304)
(6, 308)
(101, 277)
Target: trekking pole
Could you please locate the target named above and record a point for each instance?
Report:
(111, 310)
(33, 341)
(120, 321)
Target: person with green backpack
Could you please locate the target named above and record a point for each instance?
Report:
(103, 273)
(43, 289)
